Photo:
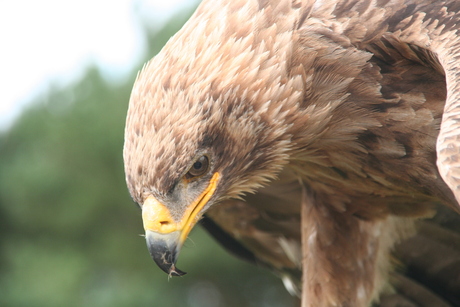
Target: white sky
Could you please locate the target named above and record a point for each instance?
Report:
(48, 40)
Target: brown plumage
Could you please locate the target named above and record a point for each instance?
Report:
(314, 136)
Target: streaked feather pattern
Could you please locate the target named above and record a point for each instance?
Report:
(341, 116)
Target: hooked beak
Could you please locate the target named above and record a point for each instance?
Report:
(164, 250)
(164, 235)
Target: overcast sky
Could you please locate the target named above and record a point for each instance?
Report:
(56, 40)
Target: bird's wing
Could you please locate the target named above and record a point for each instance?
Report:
(419, 26)
(414, 46)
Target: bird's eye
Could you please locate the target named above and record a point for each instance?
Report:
(198, 168)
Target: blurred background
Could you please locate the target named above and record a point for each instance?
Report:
(69, 231)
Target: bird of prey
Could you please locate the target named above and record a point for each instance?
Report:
(320, 139)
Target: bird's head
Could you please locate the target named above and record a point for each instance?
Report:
(207, 120)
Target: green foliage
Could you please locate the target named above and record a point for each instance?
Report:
(69, 230)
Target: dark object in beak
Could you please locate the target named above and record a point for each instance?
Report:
(164, 249)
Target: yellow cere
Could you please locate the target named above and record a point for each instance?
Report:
(157, 217)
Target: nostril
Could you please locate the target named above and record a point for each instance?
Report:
(166, 226)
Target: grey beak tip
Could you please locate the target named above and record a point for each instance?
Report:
(164, 251)
(174, 271)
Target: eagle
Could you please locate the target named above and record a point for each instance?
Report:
(317, 138)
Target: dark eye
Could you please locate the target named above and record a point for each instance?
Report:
(198, 168)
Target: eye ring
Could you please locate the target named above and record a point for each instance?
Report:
(198, 168)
